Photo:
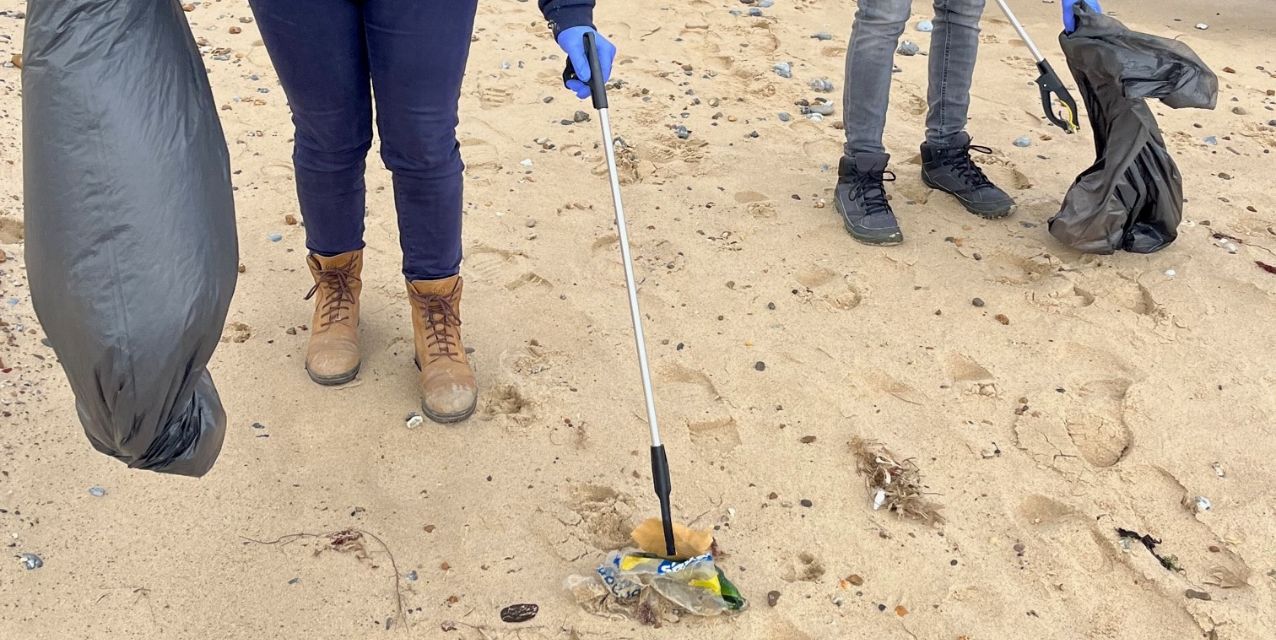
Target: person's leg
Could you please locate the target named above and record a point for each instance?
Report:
(320, 54)
(418, 50)
(953, 48)
(946, 161)
(870, 58)
(319, 51)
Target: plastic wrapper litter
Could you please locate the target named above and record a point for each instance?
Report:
(130, 224)
(695, 585)
(1132, 197)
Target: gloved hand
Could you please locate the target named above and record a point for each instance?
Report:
(573, 43)
(1070, 15)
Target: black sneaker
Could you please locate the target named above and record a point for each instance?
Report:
(951, 170)
(860, 197)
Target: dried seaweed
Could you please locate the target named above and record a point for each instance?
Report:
(894, 483)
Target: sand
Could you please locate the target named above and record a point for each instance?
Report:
(1108, 397)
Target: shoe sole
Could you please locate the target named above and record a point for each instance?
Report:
(449, 418)
(986, 215)
(889, 241)
(334, 381)
(445, 418)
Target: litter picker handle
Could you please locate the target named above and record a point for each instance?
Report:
(597, 85)
(1052, 88)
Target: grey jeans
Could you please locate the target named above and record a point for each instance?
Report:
(870, 57)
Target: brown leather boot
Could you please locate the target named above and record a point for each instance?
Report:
(449, 392)
(332, 356)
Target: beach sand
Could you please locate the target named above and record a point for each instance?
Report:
(1110, 392)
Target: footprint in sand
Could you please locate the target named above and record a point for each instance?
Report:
(493, 97)
(1097, 429)
(1082, 424)
(824, 289)
(1082, 557)
(1009, 268)
(804, 568)
(237, 332)
(970, 376)
(12, 230)
(592, 519)
(506, 268)
(709, 422)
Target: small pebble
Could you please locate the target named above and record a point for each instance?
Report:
(682, 132)
(412, 577)
(1170, 273)
(755, 12)
(759, 365)
(925, 26)
(783, 69)
(31, 561)
(1202, 26)
(1211, 140)
(1201, 504)
(1001, 317)
(766, 4)
(772, 598)
(1023, 142)
(97, 492)
(784, 116)
(806, 503)
(823, 35)
(855, 580)
(415, 421)
(908, 48)
(1019, 548)
(822, 85)
(580, 116)
(275, 237)
(1240, 111)
(290, 220)
(978, 302)
(1193, 594)
(527, 163)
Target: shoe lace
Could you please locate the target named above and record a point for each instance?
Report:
(871, 187)
(440, 316)
(960, 160)
(339, 294)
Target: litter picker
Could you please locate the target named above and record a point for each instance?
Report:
(1051, 86)
(659, 462)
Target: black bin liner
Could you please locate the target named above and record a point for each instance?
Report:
(130, 222)
(1132, 197)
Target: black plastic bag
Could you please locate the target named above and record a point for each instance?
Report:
(130, 222)
(1132, 197)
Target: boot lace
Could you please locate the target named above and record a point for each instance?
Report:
(960, 161)
(339, 294)
(440, 316)
(871, 187)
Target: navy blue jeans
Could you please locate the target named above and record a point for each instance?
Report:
(332, 57)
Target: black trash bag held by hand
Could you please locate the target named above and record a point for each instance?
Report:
(130, 222)
(1132, 197)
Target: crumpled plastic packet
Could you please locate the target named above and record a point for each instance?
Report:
(696, 584)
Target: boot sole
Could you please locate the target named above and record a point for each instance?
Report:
(995, 214)
(445, 418)
(888, 241)
(452, 418)
(334, 381)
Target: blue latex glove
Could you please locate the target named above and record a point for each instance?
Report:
(1070, 15)
(573, 43)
